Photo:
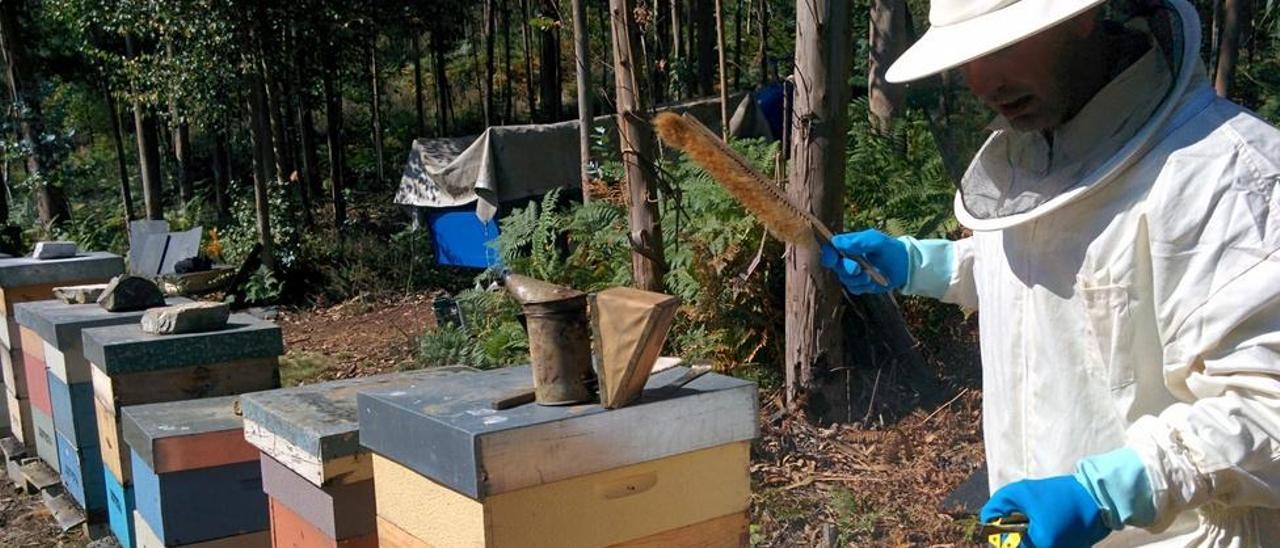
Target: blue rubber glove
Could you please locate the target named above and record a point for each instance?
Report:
(1061, 511)
(887, 254)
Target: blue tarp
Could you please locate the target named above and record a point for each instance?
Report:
(460, 238)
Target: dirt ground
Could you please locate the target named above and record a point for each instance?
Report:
(878, 481)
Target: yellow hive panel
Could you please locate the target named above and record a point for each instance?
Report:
(609, 507)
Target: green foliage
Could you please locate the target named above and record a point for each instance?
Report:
(444, 345)
(491, 336)
(263, 287)
(240, 235)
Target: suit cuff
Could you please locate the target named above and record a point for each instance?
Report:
(930, 264)
(1118, 482)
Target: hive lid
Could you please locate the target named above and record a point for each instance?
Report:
(127, 349)
(165, 435)
(22, 271)
(60, 323)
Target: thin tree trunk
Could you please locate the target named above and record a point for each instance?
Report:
(704, 20)
(117, 139)
(490, 23)
(606, 52)
(737, 43)
(813, 341)
(377, 111)
(528, 59)
(763, 52)
(508, 100)
(1229, 47)
(181, 133)
(724, 88)
(549, 76)
(337, 154)
(888, 39)
(221, 173)
(444, 103)
(637, 151)
(263, 160)
(148, 151)
(417, 83)
(582, 58)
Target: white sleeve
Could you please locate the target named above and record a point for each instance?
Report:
(962, 290)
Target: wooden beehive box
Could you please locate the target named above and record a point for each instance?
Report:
(130, 367)
(450, 471)
(319, 477)
(195, 477)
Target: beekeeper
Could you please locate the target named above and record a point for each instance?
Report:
(1124, 264)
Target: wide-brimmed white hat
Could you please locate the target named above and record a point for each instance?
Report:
(963, 30)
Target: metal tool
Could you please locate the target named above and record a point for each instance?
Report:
(1006, 531)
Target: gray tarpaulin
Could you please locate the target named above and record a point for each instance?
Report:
(511, 162)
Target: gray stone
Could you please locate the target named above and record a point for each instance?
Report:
(197, 317)
(79, 294)
(129, 293)
(55, 250)
(83, 268)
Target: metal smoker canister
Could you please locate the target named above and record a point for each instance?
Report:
(559, 339)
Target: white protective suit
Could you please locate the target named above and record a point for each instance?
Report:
(1138, 304)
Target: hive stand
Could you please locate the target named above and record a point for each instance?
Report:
(318, 476)
(55, 327)
(195, 477)
(24, 279)
(130, 367)
(671, 468)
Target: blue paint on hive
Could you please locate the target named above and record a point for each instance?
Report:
(202, 504)
(73, 415)
(119, 509)
(81, 472)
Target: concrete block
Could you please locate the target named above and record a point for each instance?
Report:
(91, 267)
(344, 511)
(54, 250)
(314, 429)
(198, 317)
(120, 506)
(288, 529)
(81, 472)
(148, 538)
(127, 349)
(186, 435)
(448, 432)
(201, 504)
(73, 416)
(599, 509)
(60, 325)
(46, 437)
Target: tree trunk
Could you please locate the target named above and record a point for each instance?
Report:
(508, 101)
(582, 59)
(677, 44)
(263, 160)
(638, 148)
(149, 161)
(822, 63)
(1229, 48)
(377, 111)
(704, 20)
(888, 39)
(221, 173)
(117, 139)
(444, 97)
(549, 64)
(417, 83)
(337, 154)
(528, 59)
(490, 24)
(763, 53)
(51, 204)
(737, 43)
(724, 88)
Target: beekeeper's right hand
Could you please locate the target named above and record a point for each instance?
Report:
(916, 267)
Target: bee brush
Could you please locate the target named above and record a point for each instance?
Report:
(780, 216)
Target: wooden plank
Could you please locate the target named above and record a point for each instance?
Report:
(32, 343)
(187, 434)
(46, 438)
(594, 510)
(64, 509)
(342, 470)
(73, 415)
(115, 455)
(39, 476)
(186, 383)
(70, 367)
(10, 296)
(20, 424)
(37, 382)
(449, 432)
(338, 511)
(289, 530)
(203, 504)
(731, 531)
(392, 536)
(148, 538)
(14, 371)
(10, 337)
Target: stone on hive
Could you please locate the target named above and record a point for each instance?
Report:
(79, 294)
(55, 250)
(186, 318)
(129, 293)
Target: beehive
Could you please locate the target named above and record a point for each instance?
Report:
(24, 279)
(56, 328)
(450, 471)
(130, 367)
(319, 477)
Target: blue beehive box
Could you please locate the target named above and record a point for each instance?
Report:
(81, 472)
(119, 509)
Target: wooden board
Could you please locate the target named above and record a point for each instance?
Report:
(119, 509)
(186, 435)
(10, 337)
(336, 471)
(81, 472)
(337, 511)
(37, 382)
(115, 455)
(14, 371)
(20, 419)
(73, 415)
(148, 538)
(449, 432)
(46, 438)
(70, 366)
(10, 296)
(32, 344)
(598, 509)
(202, 504)
(186, 383)
(289, 530)
(392, 536)
(731, 531)
(39, 476)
